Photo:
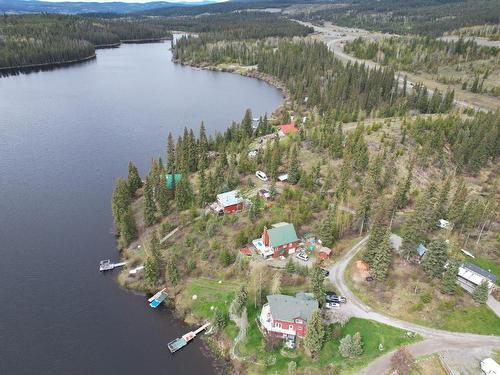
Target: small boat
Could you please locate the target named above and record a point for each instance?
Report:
(158, 298)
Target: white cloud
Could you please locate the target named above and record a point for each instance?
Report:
(136, 1)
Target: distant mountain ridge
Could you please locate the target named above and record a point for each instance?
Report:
(34, 6)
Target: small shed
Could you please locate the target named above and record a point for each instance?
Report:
(230, 201)
(421, 250)
(170, 178)
(325, 252)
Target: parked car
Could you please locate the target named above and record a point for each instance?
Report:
(331, 297)
(336, 299)
(325, 272)
(261, 175)
(332, 305)
(302, 256)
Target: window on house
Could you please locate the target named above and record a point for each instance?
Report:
(290, 327)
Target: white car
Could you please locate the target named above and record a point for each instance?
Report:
(302, 256)
(261, 175)
(332, 305)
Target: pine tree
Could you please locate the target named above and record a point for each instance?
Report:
(149, 204)
(449, 282)
(326, 232)
(183, 194)
(376, 238)
(134, 180)
(401, 196)
(128, 228)
(365, 206)
(435, 258)
(276, 283)
(163, 196)
(289, 265)
(317, 284)
(382, 259)
(315, 334)
(293, 166)
(203, 191)
(120, 201)
(351, 346)
(240, 301)
(171, 271)
(481, 292)
(457, 208)
(153, 263)
(246, 123)
(202, 148)
(171, 159)
(441, 208)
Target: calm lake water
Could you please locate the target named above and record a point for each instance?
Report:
(64, 137)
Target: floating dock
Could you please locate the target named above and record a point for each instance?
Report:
(181, 342)
(158, 298)
(106, 265)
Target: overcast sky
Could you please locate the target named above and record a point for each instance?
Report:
(140, 1)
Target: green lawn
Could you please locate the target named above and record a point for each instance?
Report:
(474, 319)
(486, 264)
(272, 362)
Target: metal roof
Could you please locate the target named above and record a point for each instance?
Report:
(288, 308)
(281, 234)
(230, 198)
(479, 270)
(421, 250)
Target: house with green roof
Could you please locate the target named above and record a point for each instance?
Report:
(280, 240)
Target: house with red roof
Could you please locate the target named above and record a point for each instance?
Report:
(287, 129)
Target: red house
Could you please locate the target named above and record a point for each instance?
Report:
(280, 239)
(230, 202)
(287, 129)
(287, 316)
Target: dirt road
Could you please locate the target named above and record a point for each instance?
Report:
(434, 339)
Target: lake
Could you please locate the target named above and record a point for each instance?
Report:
(65, 135)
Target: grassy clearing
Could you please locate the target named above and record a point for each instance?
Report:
(271, 361)
(409, 295)
(428, 365)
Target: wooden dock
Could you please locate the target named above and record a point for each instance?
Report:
(181, 342)
(106, 265)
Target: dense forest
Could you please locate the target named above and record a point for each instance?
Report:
(237, 26)
(46, 39)
(424, 17)
(315, 77)
(419, 53)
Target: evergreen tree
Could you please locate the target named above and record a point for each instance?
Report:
(163, 196)
(449, 282)
(171, 159)
(153, 263)
(317, 285)
(171, 271)
(289, 265)
(351, 346)
(246, 124)
(441, 208)
(365, 206)
(149, 204)
(457, 208)
(240, 300)
(183, 194)
(134, 180)
(376, 238)
(315, 334)
(128, 228)
(203, 148)
(382, 259)
(293, 166)
(401, 196)
(435, 258)
(120, 201)
(481, 292)
(327, 232)
(203, 191)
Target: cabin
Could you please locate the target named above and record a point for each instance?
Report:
(286, 129)
(470, 276)
(279, 240)
(287, 316)
(230, 201)
(324, 252)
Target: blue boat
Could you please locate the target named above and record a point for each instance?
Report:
(158, 298)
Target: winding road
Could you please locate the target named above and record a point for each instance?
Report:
(435, 340)
(335, 36)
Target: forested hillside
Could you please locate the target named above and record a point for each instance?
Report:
(314, 76)
(419, 53)
(424, 17)
(46, 39)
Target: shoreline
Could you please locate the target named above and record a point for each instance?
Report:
(252, 73)
(14, 70)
